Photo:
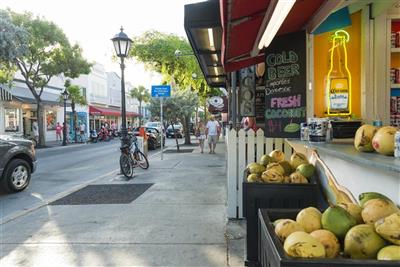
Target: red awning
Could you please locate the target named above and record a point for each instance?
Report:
(242, 22)
(102, 111)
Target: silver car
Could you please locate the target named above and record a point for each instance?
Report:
(17, 163)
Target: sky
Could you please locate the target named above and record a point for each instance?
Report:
(92, 24)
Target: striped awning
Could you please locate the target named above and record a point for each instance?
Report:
(5, 95)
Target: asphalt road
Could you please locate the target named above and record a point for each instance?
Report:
(61, 169)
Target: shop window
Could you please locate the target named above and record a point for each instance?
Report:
(12, 120)
(51, 117)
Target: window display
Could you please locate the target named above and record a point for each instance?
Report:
(11, 120)
(51, 117)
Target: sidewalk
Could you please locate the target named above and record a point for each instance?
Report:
(179, 221)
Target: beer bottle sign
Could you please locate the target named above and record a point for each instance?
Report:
(339, 77)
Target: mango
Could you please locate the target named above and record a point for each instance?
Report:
(285, 227)
(362, 242)
(376, 209)
(329, 241)
(303, 245)
(389, 228)
(306, 169)
(277, 155)
(310, 219)
(297, 159)
(389, 253)
(364, 197)
(272, 176)
(354, 210)
(337, 220)
(363, 138)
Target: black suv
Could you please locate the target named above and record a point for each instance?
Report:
(17, 163)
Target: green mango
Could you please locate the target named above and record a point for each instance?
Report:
(364, 197)
(337, 220)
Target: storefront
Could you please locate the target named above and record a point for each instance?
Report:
(327, 66)
(18, 112)
(10, 114)
(99, 116)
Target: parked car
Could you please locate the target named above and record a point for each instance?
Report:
(155, 124)
(17, 163)
(154, 137)
(178, 131)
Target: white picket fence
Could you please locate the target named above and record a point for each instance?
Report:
(243, 148)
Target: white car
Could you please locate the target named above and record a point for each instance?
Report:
(155, 124)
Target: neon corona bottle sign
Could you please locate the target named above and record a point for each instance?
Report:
(338, 87)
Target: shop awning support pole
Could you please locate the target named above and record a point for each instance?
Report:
(162, 127)
(234, 113)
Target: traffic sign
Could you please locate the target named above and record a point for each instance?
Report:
(160, 90)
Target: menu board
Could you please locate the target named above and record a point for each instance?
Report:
(260, 104)
(285, 87)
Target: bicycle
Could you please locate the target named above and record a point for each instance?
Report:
(130, 159)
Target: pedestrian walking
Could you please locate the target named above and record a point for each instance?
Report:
(82, 131)
(201, 135)
(66, 125)
(58, 132)
(212, 131)
(35, 130)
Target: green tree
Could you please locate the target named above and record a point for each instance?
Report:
(157, 51)
(177, 108)
(13, 44)
(49, 54)
(77, 98)
(142, 95)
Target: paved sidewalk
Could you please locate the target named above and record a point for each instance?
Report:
(179, 221)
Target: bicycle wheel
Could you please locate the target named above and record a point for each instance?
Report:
(141, 159)
(126, 166)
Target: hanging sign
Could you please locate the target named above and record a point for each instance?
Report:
(247, 92)
(285, 90)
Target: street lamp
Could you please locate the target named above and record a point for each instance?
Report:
(65, 96)
(122, 44)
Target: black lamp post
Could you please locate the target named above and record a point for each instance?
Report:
(65, 96)
(122, 44)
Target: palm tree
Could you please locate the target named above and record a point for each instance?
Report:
(77, 98)
(142, 95)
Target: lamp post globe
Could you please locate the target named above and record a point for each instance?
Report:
(65, 96)
(122, 44)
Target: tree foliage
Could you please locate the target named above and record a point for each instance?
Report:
(177, 108)
(77, 98)
(13, 44)
(49, 54)
(157, 51)
(142, 95)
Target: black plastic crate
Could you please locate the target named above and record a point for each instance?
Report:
(272, 254)
(279, 196)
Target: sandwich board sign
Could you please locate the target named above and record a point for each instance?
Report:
(161, 91)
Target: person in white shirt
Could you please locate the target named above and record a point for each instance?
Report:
(82, 130)
(212, 131)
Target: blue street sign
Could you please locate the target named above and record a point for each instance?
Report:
(160, 90)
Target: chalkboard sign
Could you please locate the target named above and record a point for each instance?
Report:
(260, 104)
(285, 85)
